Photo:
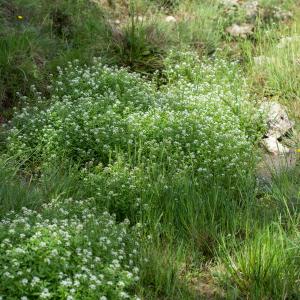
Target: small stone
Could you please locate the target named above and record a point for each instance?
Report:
(117, 34)
(230, 3)
(242, 30)
(141, 18)
(170, 19)
(251, 8)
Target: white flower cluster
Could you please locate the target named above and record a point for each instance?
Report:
(67, 251)
(86, 116)
(201, 120)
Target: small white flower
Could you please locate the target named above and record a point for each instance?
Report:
(43, 244)
(35, 280)
(124, 295)
(24, 281)
(45, 293)
(121, 284)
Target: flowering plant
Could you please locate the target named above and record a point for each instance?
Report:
(68, 251)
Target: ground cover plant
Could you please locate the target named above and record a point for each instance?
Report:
(65, 252)
(129, 168)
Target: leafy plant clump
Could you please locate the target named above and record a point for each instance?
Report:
(201, 120)
(67, 251)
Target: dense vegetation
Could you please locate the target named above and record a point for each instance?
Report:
(129, 150)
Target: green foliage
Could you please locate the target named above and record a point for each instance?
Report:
(141, 45)
(19, 189)
(280, 67)
(121, 188)
(160, 275)
(67, 251)
(201, 26)
(35, 34)
(97, 112)
(175, 155)
(266, 266)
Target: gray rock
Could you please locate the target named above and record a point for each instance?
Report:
(170, 19)
(230, 3)
(251, 8)
(273, 146)
(278, 124)
(271, 165)
(277, 119)
(282, 14)
(242, 30)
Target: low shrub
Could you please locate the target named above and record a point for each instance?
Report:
(67, 251)
(201, 121)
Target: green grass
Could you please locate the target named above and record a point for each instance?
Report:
(44, 37)
(266, 266)
(152, 172)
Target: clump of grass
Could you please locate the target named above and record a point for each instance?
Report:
(141, 44)
(200, 26)
(280, 67)
(19, 189)
(266, 266)
(161, 273)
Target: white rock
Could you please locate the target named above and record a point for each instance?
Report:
(141, 18)
(170, 19)
(273, 146)
(242, 30)
(277, 119)
(230, 3)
